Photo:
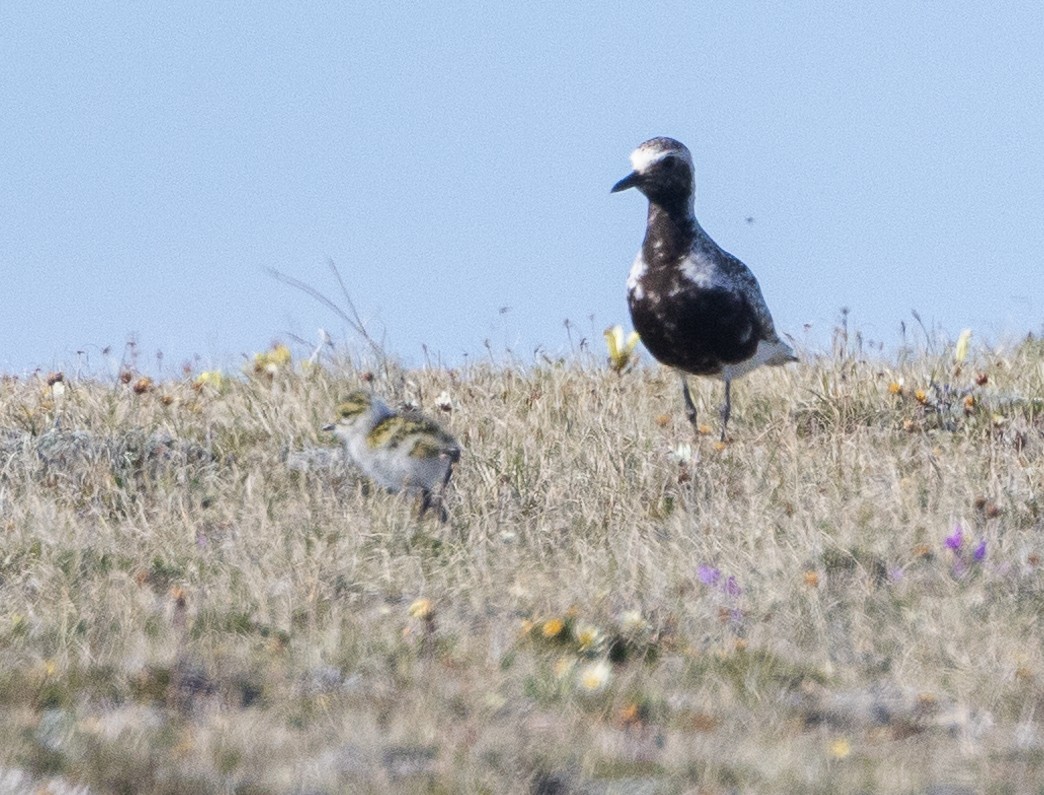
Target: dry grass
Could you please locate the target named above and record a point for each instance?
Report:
(614, 606)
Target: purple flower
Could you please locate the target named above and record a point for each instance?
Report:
(964, 558)
(708, 575)
(979, 555)
(731, 587)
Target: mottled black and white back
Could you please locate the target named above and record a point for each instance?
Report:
(695, 306)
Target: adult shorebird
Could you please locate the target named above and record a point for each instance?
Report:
(696, 307)
(402, 451)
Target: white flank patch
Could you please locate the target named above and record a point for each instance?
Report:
(638, 269)
(770, 353)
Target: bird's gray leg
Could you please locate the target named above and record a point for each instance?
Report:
(425, 503)
(726, 409)
(429, 500)
(436, 499)
(690, 407)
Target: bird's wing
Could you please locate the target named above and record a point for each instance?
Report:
(743, 281)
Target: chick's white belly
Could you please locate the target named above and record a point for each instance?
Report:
(395, 469)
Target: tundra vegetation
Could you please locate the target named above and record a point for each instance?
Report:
(197, 594)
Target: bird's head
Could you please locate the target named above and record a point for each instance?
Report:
(358, 410)
(663, 171)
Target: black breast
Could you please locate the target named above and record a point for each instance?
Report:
(698, 330)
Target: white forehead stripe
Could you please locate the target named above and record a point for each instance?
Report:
(653, 152)
(642, 158)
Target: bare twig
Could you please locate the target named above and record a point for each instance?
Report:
(351, 316)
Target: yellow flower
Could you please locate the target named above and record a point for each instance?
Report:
(621, 348)
(840, 748)
(587, 637)
(422, 609)
(961, 349)
(279, 355)
(895, 388)
(209, 378)
(553, 627)
(921, 396)
(272, 361)
(594, 677)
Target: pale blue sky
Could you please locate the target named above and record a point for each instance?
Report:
(156, 157)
